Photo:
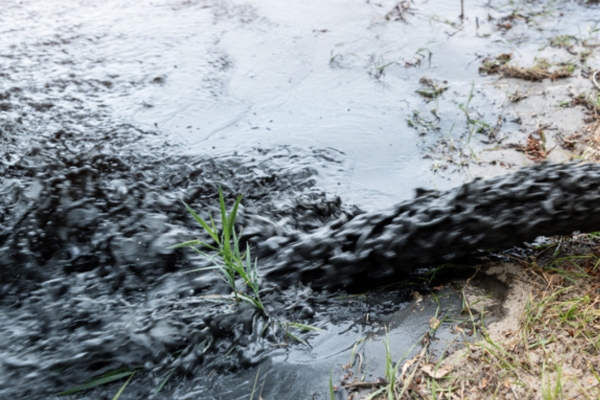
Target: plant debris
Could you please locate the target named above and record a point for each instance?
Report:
(535, 149)
(536, 73)
(589, 101)
(539, 71)
(491, 65)
(590, 145)
(399, 11)
(517, 96)
(431, 89)
(423, 124)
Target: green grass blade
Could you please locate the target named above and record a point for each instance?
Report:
(223, 210)
(305, 327)
(250, 272)
(376, 393)
(233, 213)
(164, 382)
(202, 269)
(298, 339)
(184, 244)
(211, 232)
(203, 254)
(236, 247)
(123, 387)
(255, 382)
(256, 303)
(208, 246)
(104, 379)
(331, 391)
(214, 226)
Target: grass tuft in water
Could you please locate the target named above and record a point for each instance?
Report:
(229, 261)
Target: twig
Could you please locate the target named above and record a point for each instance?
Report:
(368, 385)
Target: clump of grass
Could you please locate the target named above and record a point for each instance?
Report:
(431, 89)
(491, 65)
(562, 41)
(378, 67)
(589, 101)
(420, 55)
(227, 258)
(537, 72)
(422, 124)
(540, 70)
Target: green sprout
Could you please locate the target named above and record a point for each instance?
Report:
(229, 261)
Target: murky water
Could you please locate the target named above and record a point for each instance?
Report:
(111, 113)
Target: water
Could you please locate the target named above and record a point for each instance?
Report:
(113, 112)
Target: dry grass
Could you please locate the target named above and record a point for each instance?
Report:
(538, 72)
(590, 101)
(585, 144)
(491, 65)
(589, 148)
(546, 347)
(535, 149)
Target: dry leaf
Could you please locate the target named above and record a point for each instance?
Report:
(430, 370)
(483, 383)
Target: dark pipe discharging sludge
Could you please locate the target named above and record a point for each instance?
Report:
(437, 227)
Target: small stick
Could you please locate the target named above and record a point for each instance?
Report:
(462, 9)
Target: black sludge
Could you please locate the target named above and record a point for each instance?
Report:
(437, 227)
(88, 284)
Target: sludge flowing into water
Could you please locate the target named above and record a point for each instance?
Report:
(89, 286)
(88, 283)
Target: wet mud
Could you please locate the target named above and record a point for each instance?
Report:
(112, 114)
(88, 282)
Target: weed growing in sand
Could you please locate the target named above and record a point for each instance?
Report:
(230, 262)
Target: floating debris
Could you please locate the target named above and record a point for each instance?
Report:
(491, 65)
(431, 89)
